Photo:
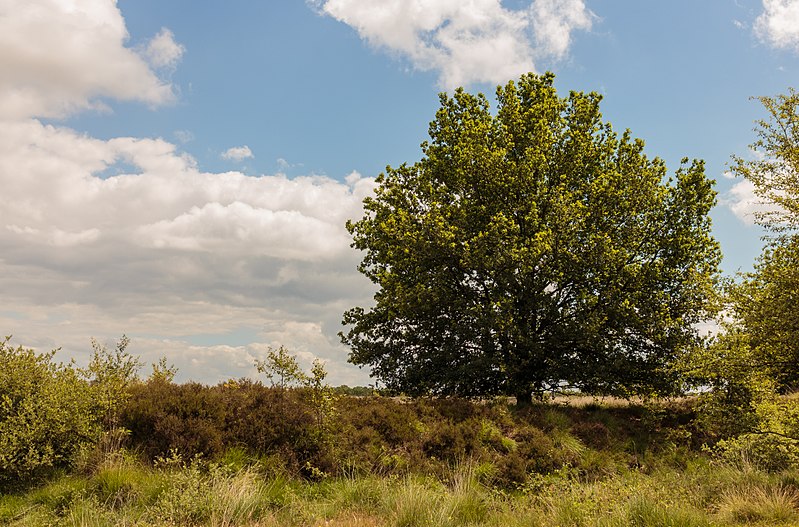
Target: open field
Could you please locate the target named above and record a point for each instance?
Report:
(124, 492)
(580, 462)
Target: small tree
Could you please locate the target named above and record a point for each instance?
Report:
(756, 356)
(163, 372)
(281, 368)
(764, 302)
(111, 372)
(323, 397)
(764, 305)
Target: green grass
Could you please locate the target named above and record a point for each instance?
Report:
(703, 494)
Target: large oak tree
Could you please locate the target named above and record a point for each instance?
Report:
(531, 248)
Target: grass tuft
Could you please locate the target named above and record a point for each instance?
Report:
(414, 503)
(645, 512)
(774, 505)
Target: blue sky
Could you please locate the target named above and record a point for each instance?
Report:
(181, 171)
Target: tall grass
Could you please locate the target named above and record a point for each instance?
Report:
(459, 465)
(123, 492)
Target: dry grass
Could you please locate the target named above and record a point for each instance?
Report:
(773, 505)
(351, 520)
(703, 496)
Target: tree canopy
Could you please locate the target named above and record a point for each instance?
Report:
(763, 304)
(531, 248)
(774, 167)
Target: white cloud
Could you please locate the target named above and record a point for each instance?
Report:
(57, 237)
(465, 41)
(778, 25)
(745, 203)
(59, 57)
(212, 227)
(128, 235)
(555, 20)
(165, 251)
(238, 153)
(184, 136)
(162, 51)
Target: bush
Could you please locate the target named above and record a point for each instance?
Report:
(194, 419)
(47, 414)
(454, 441)
(768, 452)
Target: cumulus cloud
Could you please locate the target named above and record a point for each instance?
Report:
(167, 251)
(287, 234)
(744, 202)
(60, 57)
(554, 21)
(238, 153)
(465, 41)
(778, 25)
(129, 235)
(162, 51)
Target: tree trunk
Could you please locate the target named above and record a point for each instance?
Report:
(524, 399)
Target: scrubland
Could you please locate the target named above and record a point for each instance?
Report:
(241, 453)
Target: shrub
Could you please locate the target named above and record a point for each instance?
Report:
(396, 423)
(111, 373)
(47, 414)
(536, 448)
(453, 441)
(511, 471)
(769, 452)
(162, 417)
(195, 419)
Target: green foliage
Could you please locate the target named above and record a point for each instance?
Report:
(163, 417)
(47, 414)
(163, 372)
(643, 512)
(734, 386)
(193, 490)
(532, 248)
(742, 412)
(357, 391)
(279, 431)
(297, 431)
(757, 355)
(197, 492)
(774, 167)
(281, 368)
(180, 492)
(284, 372)
(763, 305)
(200, 420)
(772, 505)
(765, 450)
(322, 396)
(111, 373)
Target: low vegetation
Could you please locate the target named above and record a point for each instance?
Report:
(176, 492)
(115, 449)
